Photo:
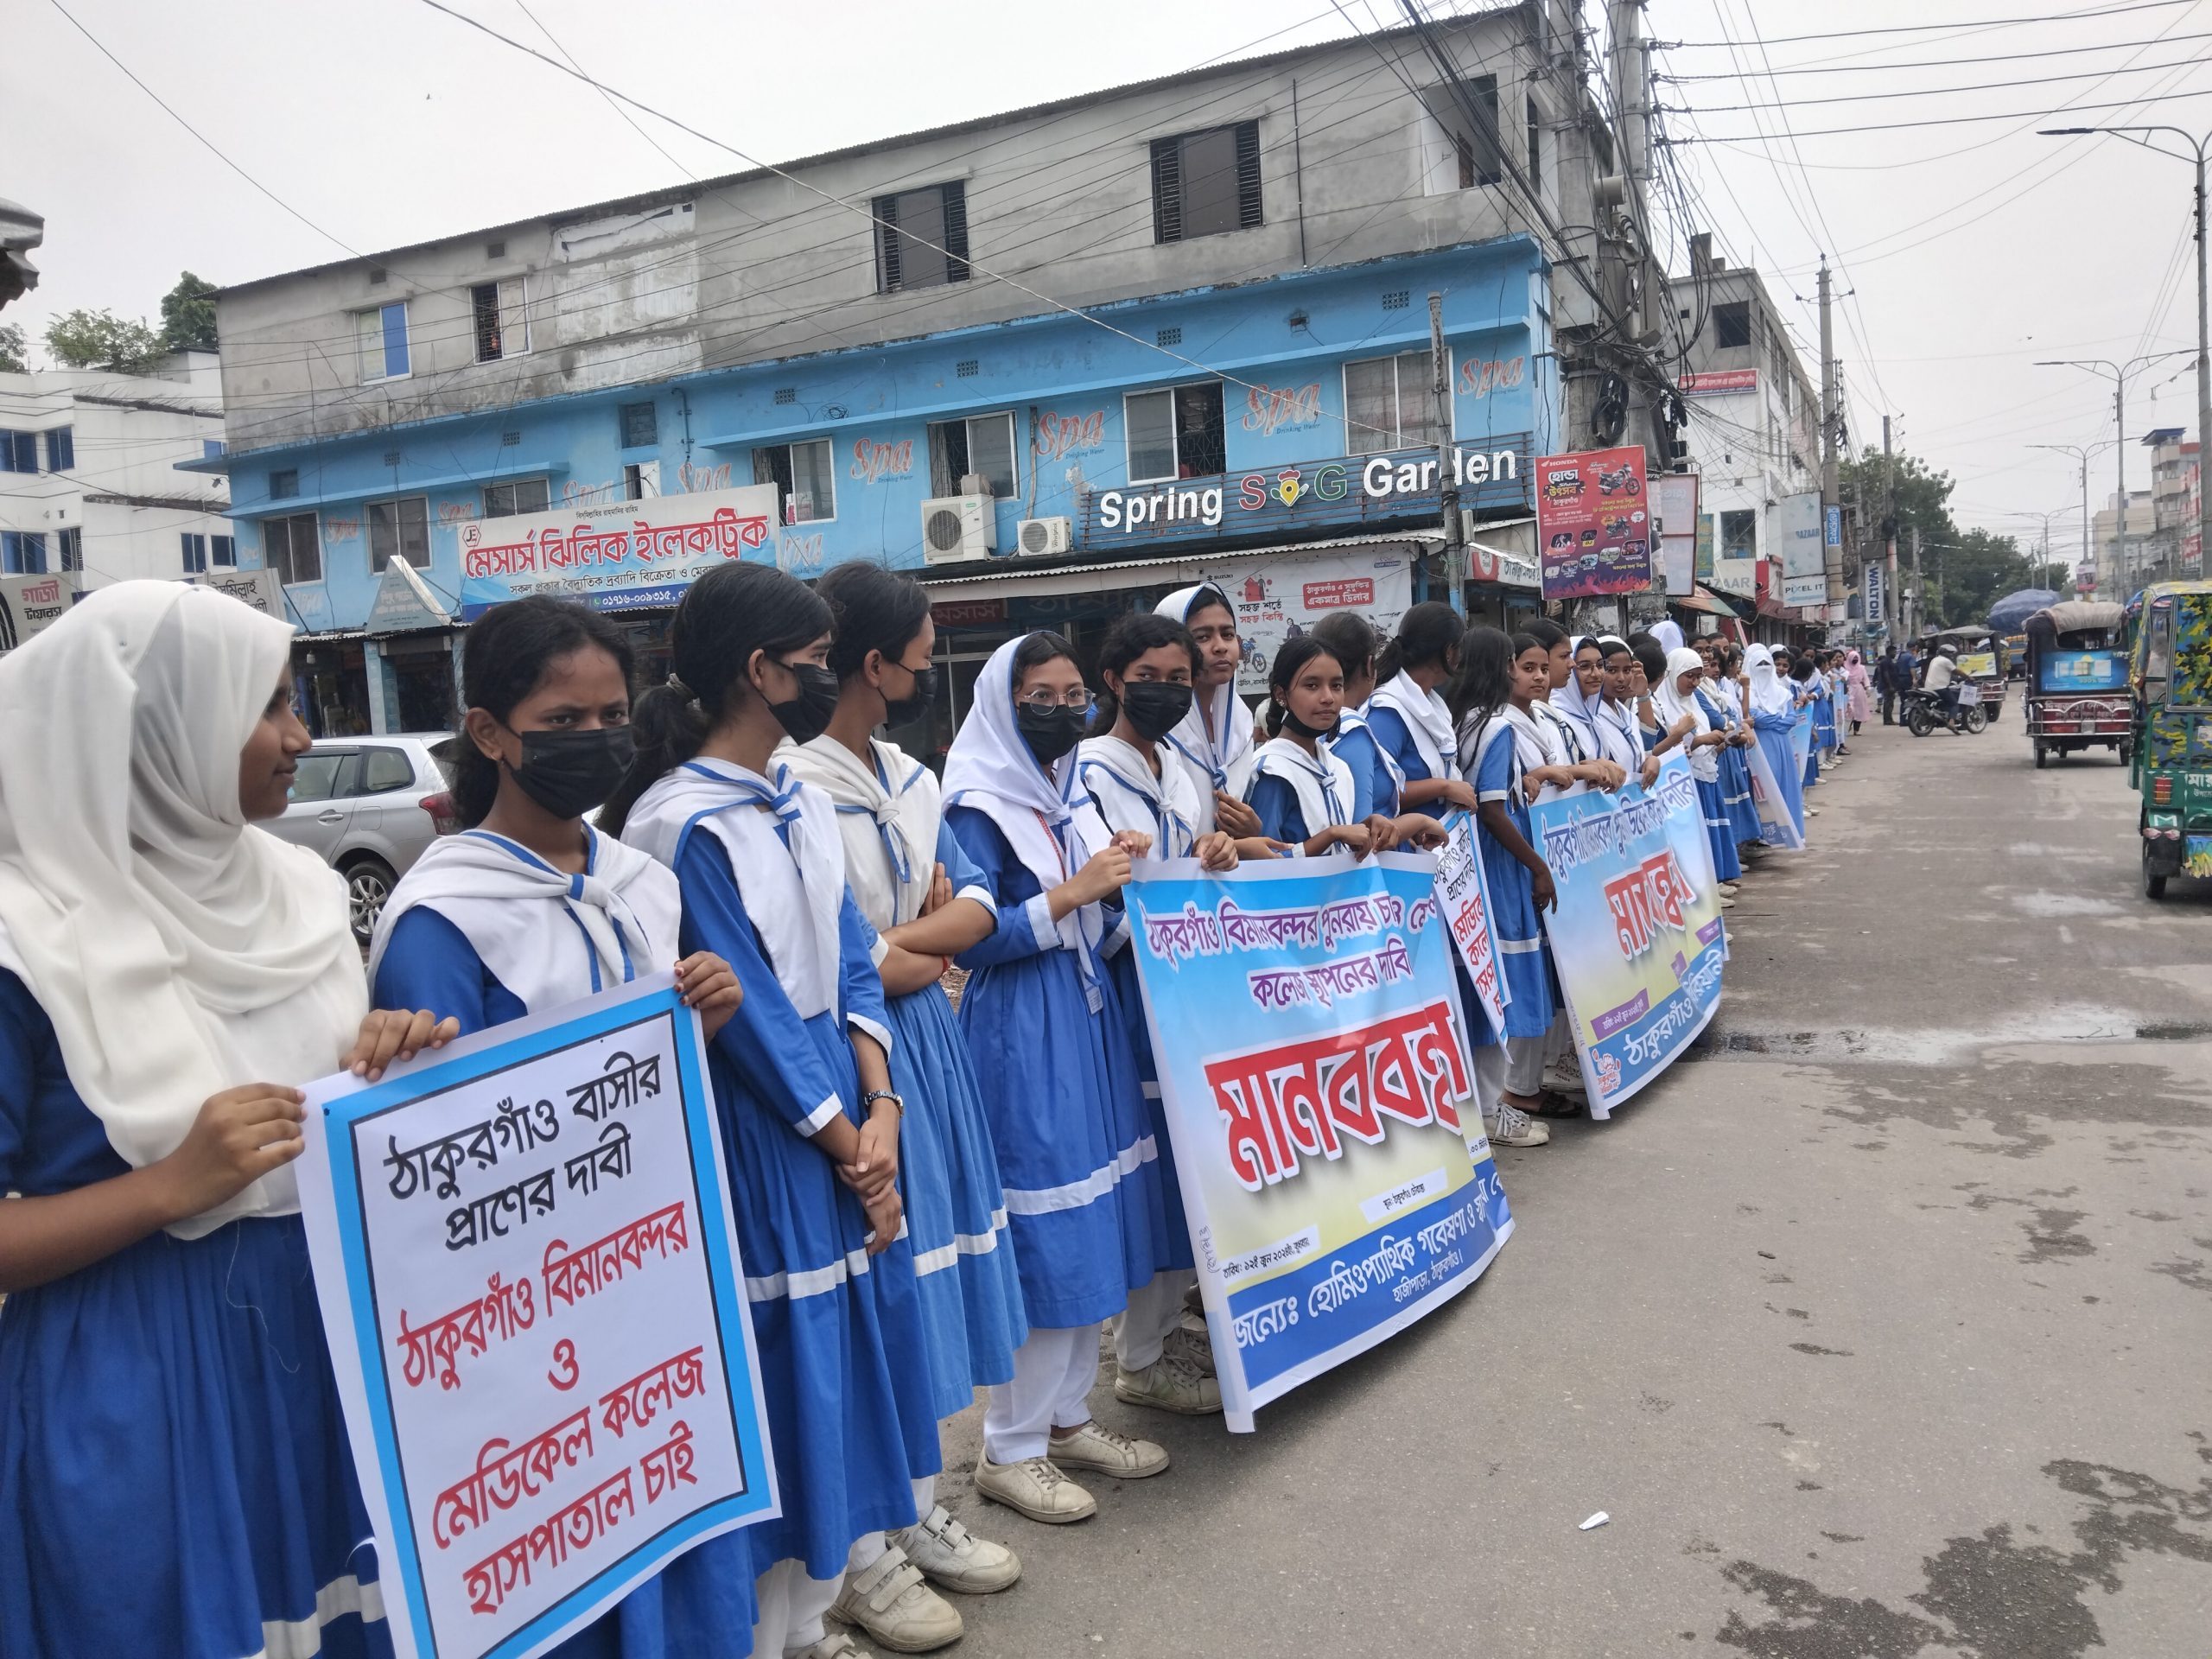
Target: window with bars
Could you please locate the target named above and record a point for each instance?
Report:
(292, 547)
(283, 486)
(23, 553)
(921, 238)
(400, 529)
(983, 443)
(1206, 183)
(1732, 323)
(196, 553)
(502, 329)
(70, 543)
(1389, 403)
(523, 495)
(806, 487)
(1175, 433)
(641, 426)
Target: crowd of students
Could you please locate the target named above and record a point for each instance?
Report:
(927, 1201)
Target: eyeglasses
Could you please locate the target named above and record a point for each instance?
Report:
(1079, 698)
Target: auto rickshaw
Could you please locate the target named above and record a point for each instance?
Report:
(2077, 690)
(1981, 659)
(2170, 669)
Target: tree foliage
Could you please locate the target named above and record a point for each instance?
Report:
(1961, 571)
(188, 314)
(12, 347)
(100, 340)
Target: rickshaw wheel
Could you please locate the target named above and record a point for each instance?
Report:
(2154, 887)
(2042, 755)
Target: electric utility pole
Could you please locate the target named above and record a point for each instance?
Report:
(1447, 482)
(1892, 600)
(1831, 492)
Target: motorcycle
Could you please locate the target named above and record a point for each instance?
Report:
(1923, 711)
(1612, 481)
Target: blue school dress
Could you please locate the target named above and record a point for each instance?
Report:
(1297, 794)
(1517, 929)
(1735, 778)
(175, 1476)
(1773, 732)
(1375, 779)
(1060, 1083)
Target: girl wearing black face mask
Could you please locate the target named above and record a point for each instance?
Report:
(800, 1075)
(927, 903)
(1045, 1022)
(1303, 794)
(531, 908)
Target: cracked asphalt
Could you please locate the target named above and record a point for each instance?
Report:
(1882, 1328)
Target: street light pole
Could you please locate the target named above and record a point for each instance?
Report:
(2119, 371)
(2080, 453)
(2197, 147)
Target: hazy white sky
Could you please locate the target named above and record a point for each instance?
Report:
(1973, 249)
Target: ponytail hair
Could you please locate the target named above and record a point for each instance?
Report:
(1426, 634)
(872, 609)
(1350, 639)
(1131, 637)
(730, 612)
(1289, 662)
(1544, 632)
(502, 660)
(1483, 684)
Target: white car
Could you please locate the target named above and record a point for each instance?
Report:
(371, 806)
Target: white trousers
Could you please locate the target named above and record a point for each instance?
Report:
(1489, 1078)
(1154, 1311)
(791, 1609)
(872, 1546)
(1054, 1372)
(1527, 1057)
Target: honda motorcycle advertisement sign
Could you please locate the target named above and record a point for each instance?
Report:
(1593, 524)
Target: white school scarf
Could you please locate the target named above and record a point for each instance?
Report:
(1222, 758)
(1052, 830)
(1559, 733)
(1428, 717)
(889, 828)
(1567, 703)
(1672, 704)
(535, 927)
(177, 950)
(1768, 695)
(1619, 737)
(793, 889)
(1354, 720)
(1322, 783)
(1119, 783)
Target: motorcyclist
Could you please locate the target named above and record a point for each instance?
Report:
(1942, 678)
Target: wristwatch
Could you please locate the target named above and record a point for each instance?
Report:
(875, 1095)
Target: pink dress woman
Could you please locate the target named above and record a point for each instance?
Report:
(1858, 703)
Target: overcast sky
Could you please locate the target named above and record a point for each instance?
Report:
(1973, 249)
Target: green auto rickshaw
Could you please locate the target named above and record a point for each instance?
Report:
(2170, 674)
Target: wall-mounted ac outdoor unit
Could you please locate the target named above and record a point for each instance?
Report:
(1041, 536)
(957, 527)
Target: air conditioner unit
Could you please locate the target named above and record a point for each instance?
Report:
(1042, 536)
(957, 527)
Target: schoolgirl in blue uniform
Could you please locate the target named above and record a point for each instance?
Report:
(1213, 745)
(1723, 693)
(1676, 698)
(528, 908)
(1302, 793)
(927, 904)
(810, 1120)
(1409, 715)
(1149, 665)
(175, 1475)
(1376, 778)
(1059, 1078)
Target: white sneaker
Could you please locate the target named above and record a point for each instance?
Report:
(892, 1604)
(1172, 1383)
(1566, 1080)
(835, 1645)
(1727, 889)
(1727, 904)
(1191, 1340)
(1511, 1127)
(949, 1554)
(1094, 1447)
(1035, 1488)
(1811, 811)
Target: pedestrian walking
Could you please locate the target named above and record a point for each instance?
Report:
(1885, 677)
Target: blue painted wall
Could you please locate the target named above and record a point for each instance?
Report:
(1287, 337)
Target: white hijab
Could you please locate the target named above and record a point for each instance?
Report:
(1567, 702)
(1222, 758)
(1113, 774)
(1672, 704)
(793, 889)
(1768, 695)
(178, 951)
(889, 829)
(1322, 783)
(1052, 831)
(548, 936)
(1669, 634)
(1428, 717)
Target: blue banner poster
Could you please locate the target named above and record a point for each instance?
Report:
(1637, 938)
(523, 1250)
(1320, 1097)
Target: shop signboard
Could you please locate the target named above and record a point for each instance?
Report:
(615, 556)
(1718, 383)
(259, 588)
(1877, 591)
(1705, 547)
(1279, 597)
(1794, 527)
(1593, 524)
(1674, 500)
(1345, 491)
(30, 605)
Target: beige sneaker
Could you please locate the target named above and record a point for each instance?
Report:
(892, 1604)
(1094, 1447)
(949, 1554)
(1035, 1488)
(1172, 1383)
(1191, 1340)
(835, 1645)
(1511, 1127)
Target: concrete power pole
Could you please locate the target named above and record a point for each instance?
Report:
(1919, 601)
(1831, 492)
(1447, 482)
(1892, 600)
(1631, 76)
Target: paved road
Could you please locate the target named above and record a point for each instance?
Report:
(1883, 1329)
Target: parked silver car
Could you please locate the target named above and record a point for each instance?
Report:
(371, 806)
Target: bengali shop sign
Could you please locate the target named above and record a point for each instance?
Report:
(1593, 524)
(1637, 938)
(614, 555)
(1320, 1090)
(522, 1247)
(1276, 598)
(1462, 894)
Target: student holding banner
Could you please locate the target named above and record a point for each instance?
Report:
(1615, 717)
(1774, 718)
(809, 1120)
(1215, 741)
(175, 1477)
(1376, 778)
(927, 904)
(1411, 721)
(1075, 1141)
(494, 923)
(1724, 691)
(1304, 794)
(1677, 698)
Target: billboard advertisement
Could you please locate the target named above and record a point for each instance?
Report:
(614, 555)
(1593, 524)
(1794, 526)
